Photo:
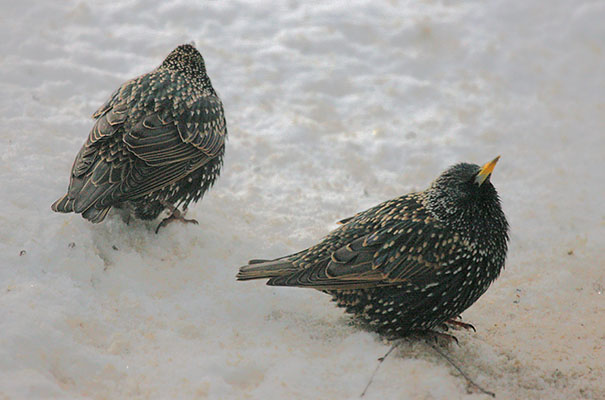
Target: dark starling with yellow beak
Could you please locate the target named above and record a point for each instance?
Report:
(409, 264)
(157, 143)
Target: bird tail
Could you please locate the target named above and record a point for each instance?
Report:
(87, 194)
(263, 269)
(63, 205)
(96, 215)
(66, 204)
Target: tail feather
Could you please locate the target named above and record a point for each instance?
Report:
(257, 261)
(64, 205)
(263, 269)
(92, 213)
(93, 190)
(96, 215)
(85, 197)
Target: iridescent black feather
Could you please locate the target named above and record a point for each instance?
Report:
(408, 264)
(160, 138)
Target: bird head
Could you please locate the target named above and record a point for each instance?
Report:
(464, 191)
(185, 58)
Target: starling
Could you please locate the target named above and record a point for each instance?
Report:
(409, 264)
(157, 143)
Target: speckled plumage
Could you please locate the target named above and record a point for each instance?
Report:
(408, 264)
(159, 139)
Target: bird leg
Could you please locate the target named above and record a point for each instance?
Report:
(175, 215)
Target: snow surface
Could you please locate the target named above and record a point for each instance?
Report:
(331, 107)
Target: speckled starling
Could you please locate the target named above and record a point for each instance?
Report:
(156, 144)
(409, 264)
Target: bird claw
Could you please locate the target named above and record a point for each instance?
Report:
(438, 337)
(445, 338)
(175, 215)
(459, 325)
(173, 218)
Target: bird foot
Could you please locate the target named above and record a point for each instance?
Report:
(175, 215)
(441, 338)
(459, 325)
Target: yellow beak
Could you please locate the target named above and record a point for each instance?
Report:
(486, 171)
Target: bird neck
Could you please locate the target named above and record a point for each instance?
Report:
(478, 219)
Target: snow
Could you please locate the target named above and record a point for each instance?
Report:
(332, 107)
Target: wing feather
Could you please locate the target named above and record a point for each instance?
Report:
(395, 249)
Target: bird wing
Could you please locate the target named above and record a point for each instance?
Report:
(408, 250)
(171, 148)
(99, 155)
(158, 149)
